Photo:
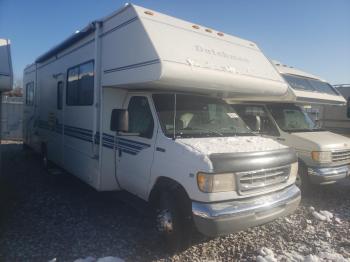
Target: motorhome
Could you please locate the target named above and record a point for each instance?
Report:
(336, 118)
(324, 157)
(134, 102)
(6, 75)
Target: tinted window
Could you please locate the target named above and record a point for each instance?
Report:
(298, 83)
(30, 94)
(308, 84)
(80, 85)
(140, 117)
(59, 95)
(322, 87)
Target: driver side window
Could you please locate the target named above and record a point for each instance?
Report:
(140, 117)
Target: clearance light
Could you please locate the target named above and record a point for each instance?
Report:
(148, 13)
(195, 26)
(220, 34)
(208, 30)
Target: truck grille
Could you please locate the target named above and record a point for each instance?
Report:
(341, 156)
(257, 180)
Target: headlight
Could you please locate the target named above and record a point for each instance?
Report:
(323, 157)
(211, 183)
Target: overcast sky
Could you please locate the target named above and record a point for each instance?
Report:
(312, 35)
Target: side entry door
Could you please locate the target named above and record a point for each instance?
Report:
(135, 151)
(55, 123)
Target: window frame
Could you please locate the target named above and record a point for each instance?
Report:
(150, 110)
(29, 85)
(67, 76)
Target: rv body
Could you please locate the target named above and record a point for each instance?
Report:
(6, 74)
(324, 157)
(170, 77)
(336, 118)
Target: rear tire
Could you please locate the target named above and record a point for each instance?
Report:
(174, 220)
(44, 157)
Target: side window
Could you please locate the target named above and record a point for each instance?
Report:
(60, 95)
(140, 117)
(30, 94)
(348, 109)
(80, 85)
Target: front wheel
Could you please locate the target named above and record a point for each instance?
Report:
(303, 179)
(174, 221)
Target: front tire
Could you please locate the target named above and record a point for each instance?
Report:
(174, 220)
(303, 179)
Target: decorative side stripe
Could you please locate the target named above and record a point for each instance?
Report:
(137, 65)
(126, 145)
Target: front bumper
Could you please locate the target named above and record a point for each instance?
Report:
(213, 219)
(327, 175)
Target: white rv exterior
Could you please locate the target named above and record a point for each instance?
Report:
(184, 150)
(6, 74)
(336, 118)
(324, 157)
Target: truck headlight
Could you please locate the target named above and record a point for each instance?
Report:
(211, 183)
(322, 156)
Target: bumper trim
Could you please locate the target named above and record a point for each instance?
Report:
(324, 175)
(227, 217)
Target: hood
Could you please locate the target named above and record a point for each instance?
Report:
(239, 144)
(324, 140)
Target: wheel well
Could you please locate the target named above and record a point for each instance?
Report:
(301, 164)
(164, 183)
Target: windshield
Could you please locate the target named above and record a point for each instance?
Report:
(197, 116)
(309, 84)
(292, 118)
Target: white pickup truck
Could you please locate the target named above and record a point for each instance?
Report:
(324, 157)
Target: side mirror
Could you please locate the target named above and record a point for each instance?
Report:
(120, 120)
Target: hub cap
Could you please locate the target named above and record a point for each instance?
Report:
(165, 221)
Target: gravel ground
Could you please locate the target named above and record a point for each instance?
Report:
(43, 218)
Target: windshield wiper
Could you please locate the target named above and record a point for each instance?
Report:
(207, 130)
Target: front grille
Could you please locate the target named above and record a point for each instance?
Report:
(258, 180)
(341, 156)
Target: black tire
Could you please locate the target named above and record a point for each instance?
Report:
(44, 157)
(174, 220)
(303, 179)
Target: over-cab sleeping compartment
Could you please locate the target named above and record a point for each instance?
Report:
(308, 88)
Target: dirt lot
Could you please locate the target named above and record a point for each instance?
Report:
(43, 218)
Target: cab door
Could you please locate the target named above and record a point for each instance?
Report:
(135, 151)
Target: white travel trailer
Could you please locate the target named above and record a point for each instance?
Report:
(134, 102)
(6, 74)
(336, 118)
(324, 157)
